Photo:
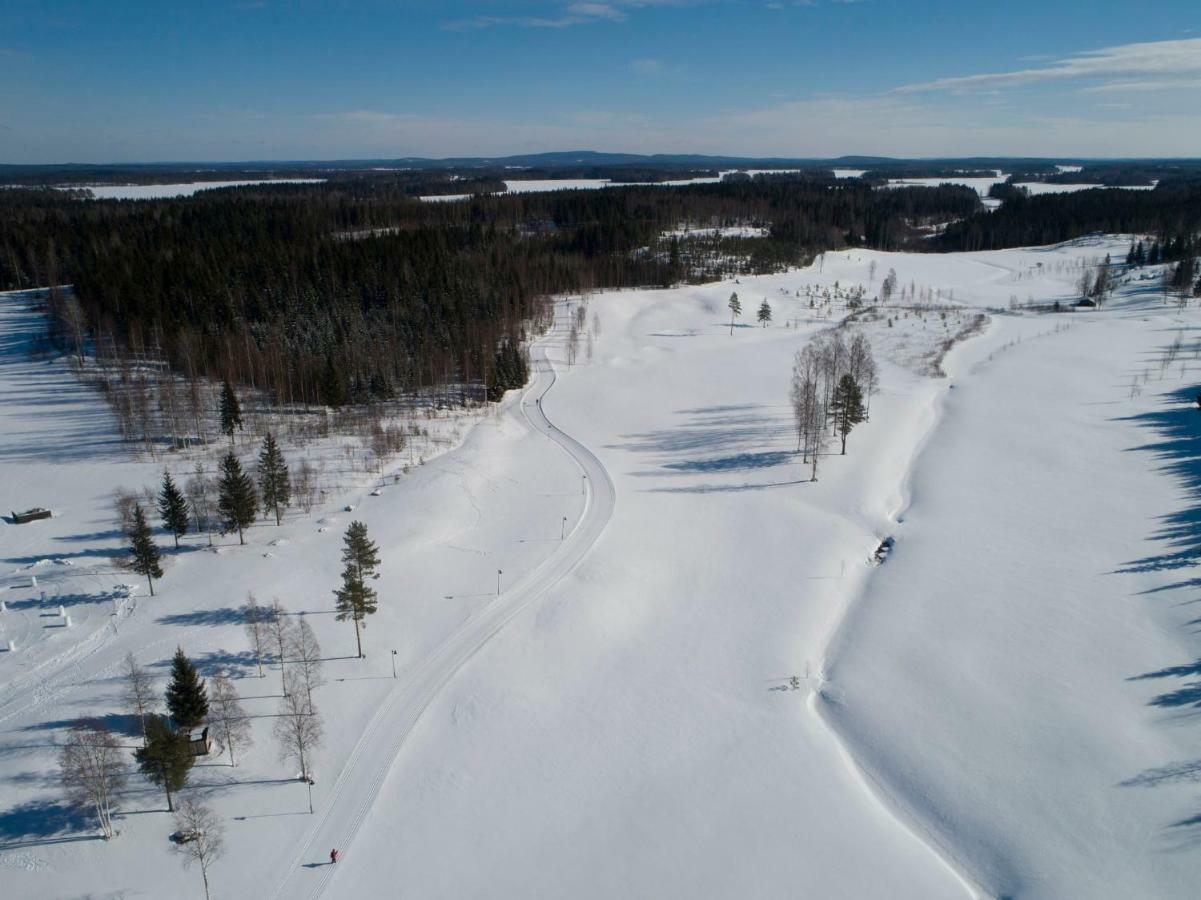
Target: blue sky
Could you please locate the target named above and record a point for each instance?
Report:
(323, 79)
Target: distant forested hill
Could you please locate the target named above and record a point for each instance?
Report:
(352, 289)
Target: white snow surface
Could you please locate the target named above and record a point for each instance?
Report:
(1041, 187)
(1002, 708)
(541, 185)
(161, 191)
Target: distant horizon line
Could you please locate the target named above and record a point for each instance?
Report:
(589, 157)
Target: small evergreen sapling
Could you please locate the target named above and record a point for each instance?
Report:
(356, 599)
(230, 411)
(146, 556)
(173, 508)
(167, 757)
(187, 699)
(275, 485)
(847, 406)
(236, 500)
(764, 312)
(735, 309)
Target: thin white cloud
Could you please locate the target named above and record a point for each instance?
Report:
(646, 66)
(579, 12)
(1145, 63)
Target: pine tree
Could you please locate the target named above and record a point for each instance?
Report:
(275, 486)
(231, 411)
(173, 508)
(356, 599)
(167, 757)
(187, 699)
(847, 406)
(735, 309)
(764, 312)
(146, 556)
(237, 504)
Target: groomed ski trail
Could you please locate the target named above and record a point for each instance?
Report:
(345, 808)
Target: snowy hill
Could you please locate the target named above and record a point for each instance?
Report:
(994, 710)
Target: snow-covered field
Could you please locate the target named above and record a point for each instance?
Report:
(997, 710)
(1039, 187)
(161, 191)
(541, 185)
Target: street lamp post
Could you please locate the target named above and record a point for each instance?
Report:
(498, 574)
(309, 781)
(393, 663)
(563, 529)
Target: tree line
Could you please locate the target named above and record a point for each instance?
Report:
(342, 292)
(1172, 211)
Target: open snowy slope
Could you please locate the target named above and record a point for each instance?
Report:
(1034, 631)
(619, 720)
(444, 529)
(634, 736)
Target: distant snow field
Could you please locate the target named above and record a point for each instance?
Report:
(161, 191)
(691, 678)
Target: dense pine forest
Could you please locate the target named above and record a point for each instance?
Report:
(348, 290)
(352, 289)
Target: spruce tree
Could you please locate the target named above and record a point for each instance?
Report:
(333, 385)
(167, 757)
(509, 370)
(231, 411)
(735, 309)
(187, 698)
(356, 599)
(847, 406)
(146, 555)
(275, 487)
(764, 312)
(237, 504)
(173, 508)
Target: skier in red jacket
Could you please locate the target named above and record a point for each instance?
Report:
(333, 856)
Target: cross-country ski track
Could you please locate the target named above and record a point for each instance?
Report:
(358, 784)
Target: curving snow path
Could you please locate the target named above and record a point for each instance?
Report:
(358, 784)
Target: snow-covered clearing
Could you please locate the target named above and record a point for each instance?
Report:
(542, 185)
(619, 721)
(1040, 187)
(161, 191)
(744, 231)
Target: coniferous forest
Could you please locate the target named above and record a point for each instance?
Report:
(352, 289)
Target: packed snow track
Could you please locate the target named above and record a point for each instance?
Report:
(377, 750)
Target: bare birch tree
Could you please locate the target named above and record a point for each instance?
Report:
(305, 652)
(140, 697)
(227, 719)
(297, 726)
(256, 625)
(201, 836)
(280, 630)
(93, 769)
(200, 494)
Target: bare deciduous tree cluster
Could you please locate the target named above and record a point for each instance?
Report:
(817, 369)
